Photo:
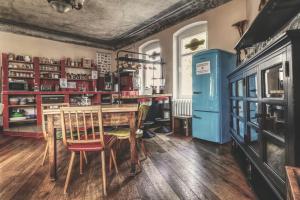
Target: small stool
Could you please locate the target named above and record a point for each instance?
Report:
(182, 124)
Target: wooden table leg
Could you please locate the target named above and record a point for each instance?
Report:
(52, 147)
(133, 151)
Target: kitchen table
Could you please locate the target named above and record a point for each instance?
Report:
(113, 115)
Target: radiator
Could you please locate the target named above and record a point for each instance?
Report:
(182, 107)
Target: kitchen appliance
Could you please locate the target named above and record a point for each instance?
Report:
(108, 82)
(18, 85)
(210, 93)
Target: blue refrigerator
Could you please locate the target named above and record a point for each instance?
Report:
(211, 94)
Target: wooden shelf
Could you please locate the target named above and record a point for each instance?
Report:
(19, 61)
(25, 120)
(137, 60)
(21, 77)
(79, 80)
(57, 65)
(56, 72)
(49, 78)
(22, 106)
(21, 70)
(89, 68)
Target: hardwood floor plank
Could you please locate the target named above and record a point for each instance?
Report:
(171, 177)
(177, 169)
(145, 187)
(213, 175)
(158, 181)
(198, 187)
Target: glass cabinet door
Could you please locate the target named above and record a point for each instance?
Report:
(240, 109)
(241, 131)
(253, 112)
(233, 123)
(254, 139)
(240, 88)
(233, 107)
(274, 120)
(275, 157)
(252, 86)
(273, 82)
(233, 89)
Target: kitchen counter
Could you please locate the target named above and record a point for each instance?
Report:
(142, 96)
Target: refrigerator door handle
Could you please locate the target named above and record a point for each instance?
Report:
(197, 92)
(196, 117)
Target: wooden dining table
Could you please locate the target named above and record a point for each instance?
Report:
(113, 115)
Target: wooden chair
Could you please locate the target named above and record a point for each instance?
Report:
(45, 134)
(124, 133)
(82, 130)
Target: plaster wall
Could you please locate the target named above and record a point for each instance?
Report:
(221, 34)
(27, 45)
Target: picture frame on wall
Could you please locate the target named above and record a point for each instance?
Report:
(103, 62)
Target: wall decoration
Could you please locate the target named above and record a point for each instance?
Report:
(194, 44)
(94, 75)
(103, 62)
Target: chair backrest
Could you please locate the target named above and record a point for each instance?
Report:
(82, 124)
(142, 114)
(49, 107)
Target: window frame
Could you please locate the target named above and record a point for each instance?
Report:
(152, 44)
(186, 31)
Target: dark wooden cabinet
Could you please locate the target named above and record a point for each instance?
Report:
(264, 98)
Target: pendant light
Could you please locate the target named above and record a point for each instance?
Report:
(63, 6)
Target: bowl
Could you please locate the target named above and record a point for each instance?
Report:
(13, 101)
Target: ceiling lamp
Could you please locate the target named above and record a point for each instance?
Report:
(63, 6)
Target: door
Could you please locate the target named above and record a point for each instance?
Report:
(205, 82)
(206, 126)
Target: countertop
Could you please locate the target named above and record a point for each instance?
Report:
(142, 96)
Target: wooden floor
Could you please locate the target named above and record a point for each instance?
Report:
(177, 169)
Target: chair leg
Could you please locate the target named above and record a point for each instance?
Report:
(114, 160)
(145, 152)
(69, 172)
(45, 153)
(81, 162)
(103, 172)
(110, 163)
(85, 158)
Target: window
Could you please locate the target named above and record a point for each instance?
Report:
(183, 57)
(150, 74)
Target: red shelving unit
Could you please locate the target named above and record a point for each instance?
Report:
(35, 83)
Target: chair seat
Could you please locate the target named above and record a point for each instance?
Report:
(93, 146)
(124, 133)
